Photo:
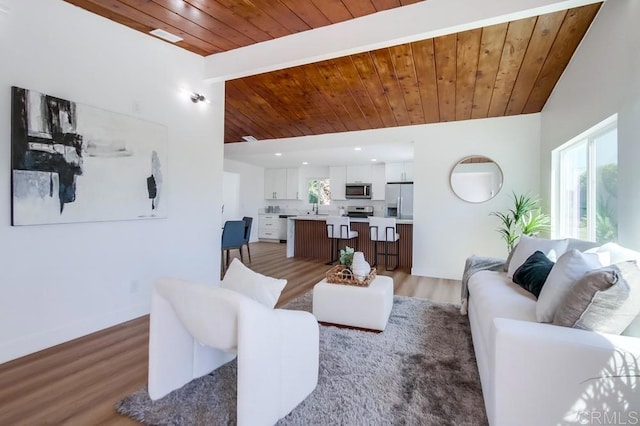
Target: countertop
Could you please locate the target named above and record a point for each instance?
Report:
(353, 219)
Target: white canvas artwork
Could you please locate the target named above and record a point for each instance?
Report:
(77, 163)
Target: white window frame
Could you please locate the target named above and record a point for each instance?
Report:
(587, 137)
(309, 179)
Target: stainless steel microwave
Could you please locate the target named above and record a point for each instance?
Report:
(358, 190)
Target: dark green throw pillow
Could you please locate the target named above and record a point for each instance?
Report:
(532, 274)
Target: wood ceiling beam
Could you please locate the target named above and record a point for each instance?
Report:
(418, 21)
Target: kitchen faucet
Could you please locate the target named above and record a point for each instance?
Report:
(315, 207)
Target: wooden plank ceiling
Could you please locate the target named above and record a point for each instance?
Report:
(213, 26)
(500, 70)
(494, 71)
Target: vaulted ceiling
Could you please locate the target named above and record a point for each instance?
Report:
(505, 69)
(213, 26)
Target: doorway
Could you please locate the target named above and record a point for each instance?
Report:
(230, 197)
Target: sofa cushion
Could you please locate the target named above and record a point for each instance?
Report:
(604, 257)
(532, 274)
(528, 245)
(634, 328)
(581, 245)
(258, 287)
(569, 268)
(496, 296)
(605, 300)
(618, 254)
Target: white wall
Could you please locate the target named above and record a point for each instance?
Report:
(58, 282)
(602, 79)
(230, 197)
(251, 200)
(446, 230)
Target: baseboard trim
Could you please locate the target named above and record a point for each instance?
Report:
(45, 339)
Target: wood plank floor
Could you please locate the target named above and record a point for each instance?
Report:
(78, 382)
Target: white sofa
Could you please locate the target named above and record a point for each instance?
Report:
(542, 374)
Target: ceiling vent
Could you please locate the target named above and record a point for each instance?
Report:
(249, 139)
(165, 35)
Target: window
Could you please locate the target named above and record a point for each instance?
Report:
(586, 185)
(319, 191)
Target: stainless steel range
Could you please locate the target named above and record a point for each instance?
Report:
(359, 211)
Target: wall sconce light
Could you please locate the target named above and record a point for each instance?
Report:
(197, 97)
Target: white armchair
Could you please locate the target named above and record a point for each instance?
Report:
(196, 328)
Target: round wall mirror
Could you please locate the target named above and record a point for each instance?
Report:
(476, 179)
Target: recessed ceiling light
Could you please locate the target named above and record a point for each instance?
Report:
(305, 163)
(374, 159)
(278, 154)
(357, 148)
(249, 139)
(172, 38)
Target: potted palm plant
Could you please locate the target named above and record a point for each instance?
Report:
(524, 218)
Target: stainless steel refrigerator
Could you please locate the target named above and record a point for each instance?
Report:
(399, 200)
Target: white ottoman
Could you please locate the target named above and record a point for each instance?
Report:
(363, 307)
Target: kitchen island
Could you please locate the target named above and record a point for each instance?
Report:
(307, 237)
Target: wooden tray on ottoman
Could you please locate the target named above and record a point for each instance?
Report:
(340, 274)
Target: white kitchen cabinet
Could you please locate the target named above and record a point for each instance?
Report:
(293, 184)
(394, 172)
(399, 172)
(378, 182)
(408, 171)
(270, 227)
(359, 174)
(337, 180)
(282, 184)
(275, 184)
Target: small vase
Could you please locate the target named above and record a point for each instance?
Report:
(360, 266)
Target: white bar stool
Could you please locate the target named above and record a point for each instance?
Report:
(383, 229)
(339, 229)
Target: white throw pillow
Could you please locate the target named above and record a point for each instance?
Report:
(618, 253)
(258, 287)
(569, 268)
(529, 245)
(603, 256)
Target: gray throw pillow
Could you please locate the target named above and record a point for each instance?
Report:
(605, 300)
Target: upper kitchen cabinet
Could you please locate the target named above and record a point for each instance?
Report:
(341, 175)
(293, 184)
(338, 180)
(408, 171)
(275, 184)
(359, 174)
(282, 184)
(378, 182)
(399, 172)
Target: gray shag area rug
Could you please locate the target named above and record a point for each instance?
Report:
(420, 371)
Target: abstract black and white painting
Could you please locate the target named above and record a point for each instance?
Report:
(76, 163)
